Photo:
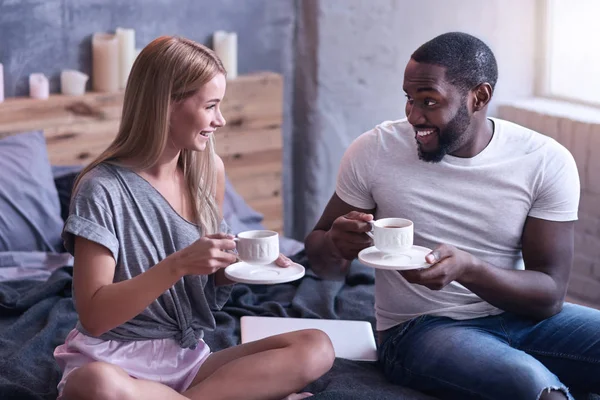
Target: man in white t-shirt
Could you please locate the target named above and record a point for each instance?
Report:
(497, 204)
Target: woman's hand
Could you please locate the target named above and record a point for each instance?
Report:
(206, 255)
(283, 262)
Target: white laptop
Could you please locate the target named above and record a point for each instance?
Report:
(352, 340)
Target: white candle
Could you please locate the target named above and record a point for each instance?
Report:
(1, 83)
(72, 83)
(39, 87)
(105, 62)
(126, 38)
(225, 45)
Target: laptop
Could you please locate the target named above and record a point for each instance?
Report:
(353, 340)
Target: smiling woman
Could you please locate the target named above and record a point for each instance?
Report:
(146, 230)
(140, 256)
(199, 114)
(171, 131)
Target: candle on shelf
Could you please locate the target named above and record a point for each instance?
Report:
(126, 39)
(225, 46)
(1, 83)
(72, 82)
(39, 87)
(105, 62)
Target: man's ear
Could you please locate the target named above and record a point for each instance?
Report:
(482, 95)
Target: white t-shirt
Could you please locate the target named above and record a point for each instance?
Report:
(476, 204)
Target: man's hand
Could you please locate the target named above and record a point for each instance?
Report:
(447, 264)
(347, 234)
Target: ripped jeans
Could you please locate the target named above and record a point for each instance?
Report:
(498, 357)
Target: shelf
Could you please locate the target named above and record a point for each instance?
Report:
(18, 114)
(79, 128)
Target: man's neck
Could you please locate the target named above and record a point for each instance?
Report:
(483, 130)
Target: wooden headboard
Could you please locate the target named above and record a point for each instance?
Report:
(78, 128)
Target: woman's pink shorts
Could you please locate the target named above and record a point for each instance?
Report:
(158, 360)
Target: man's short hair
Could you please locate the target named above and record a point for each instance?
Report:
(468, 60)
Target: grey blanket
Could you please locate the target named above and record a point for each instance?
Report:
(311, 297)
(35, 317)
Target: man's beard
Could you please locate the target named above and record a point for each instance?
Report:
(451, 138)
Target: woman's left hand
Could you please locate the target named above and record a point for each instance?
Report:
(282, 261)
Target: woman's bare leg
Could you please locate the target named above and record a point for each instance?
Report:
(103, 381)
(271, 368)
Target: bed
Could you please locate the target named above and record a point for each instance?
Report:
(43, 144)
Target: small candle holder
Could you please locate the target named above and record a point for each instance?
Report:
(1, 83)
(225, 47)
(39, 88)
(72, 82)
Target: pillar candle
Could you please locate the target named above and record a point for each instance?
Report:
(126, 39)
(1, 83)
(72, 82)
(105, 62)
(39, 87)
(225, 46)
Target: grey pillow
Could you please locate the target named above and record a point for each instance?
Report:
(29, 207)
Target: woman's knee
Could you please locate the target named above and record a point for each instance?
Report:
(314, 351)
(96, 381)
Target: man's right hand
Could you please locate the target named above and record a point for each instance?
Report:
(347, 233)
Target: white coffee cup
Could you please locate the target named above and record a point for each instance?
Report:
(392, 235)
(258, 247)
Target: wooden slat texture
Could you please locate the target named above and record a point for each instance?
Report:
(248, 165)
(258, 187)
(24, 114)
(79, 128)
(242, 140)
(272, 210)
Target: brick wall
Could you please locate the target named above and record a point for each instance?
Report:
(578, 129)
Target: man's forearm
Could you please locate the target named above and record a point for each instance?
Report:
(525, 292)
(221, 279)
(323, 257)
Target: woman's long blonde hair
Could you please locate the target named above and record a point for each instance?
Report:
(168, 70)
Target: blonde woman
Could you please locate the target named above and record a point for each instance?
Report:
(145, 229)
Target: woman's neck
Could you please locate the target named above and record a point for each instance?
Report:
(166, 168)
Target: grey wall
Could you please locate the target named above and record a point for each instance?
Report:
(342, 60)
(50, 35)
(350, 63)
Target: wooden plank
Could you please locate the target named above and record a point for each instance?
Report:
(259, 186)
(249, 98)
(79, 128)
(247, 141)
(251, 164)
(274, 225)
(78, 144)
(260, 97)
(18, 115)
(272, 210)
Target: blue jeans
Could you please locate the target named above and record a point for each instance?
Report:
(498, 357)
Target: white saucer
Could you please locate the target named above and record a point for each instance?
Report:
(411, 259)
(269, 274)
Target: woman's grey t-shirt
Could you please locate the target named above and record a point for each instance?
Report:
(118, 209)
